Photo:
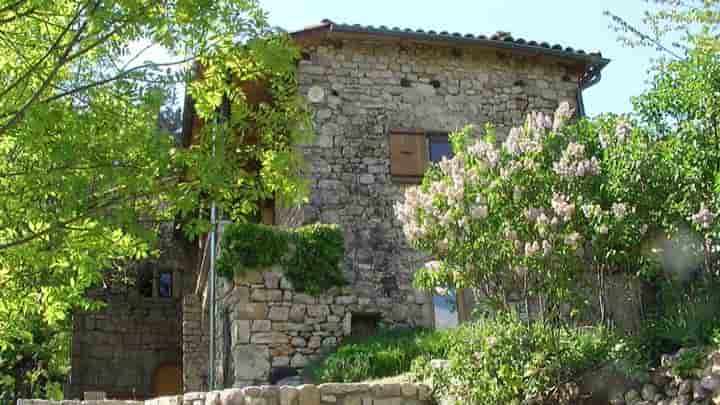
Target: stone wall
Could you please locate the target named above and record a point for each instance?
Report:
(703, 387)
(324, 394)
(195, 344)
(264, 326)
(367, 88)
(118, 348)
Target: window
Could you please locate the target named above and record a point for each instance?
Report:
(439, 147)
(165, 284)
(412, 150)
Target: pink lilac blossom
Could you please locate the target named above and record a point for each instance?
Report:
(622, 130)
(562, 115)
(531, 249)
(620, 211)
(573, 239)
(573, 163)
(487, 153)
(547, 248)
(562, 207)
(704, 218)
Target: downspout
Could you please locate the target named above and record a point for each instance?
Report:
(223, 119)
(590, 77)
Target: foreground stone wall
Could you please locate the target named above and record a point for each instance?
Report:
(264, 326)
(325, 394)
(368, 88)
(703, 387)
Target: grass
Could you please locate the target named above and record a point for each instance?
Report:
(389, 354)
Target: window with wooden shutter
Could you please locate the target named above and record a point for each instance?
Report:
(408, 155)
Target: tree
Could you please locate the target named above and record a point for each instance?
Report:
(532, 217)
(86, 172)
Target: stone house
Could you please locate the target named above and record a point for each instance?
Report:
(385, 100)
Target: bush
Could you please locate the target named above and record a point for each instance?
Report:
(387, 354)
(310, 255)
(687, 317)
(507, 361)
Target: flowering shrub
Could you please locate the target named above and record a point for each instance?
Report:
(535, 212)
(505, 361)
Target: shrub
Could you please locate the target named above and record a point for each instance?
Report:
(506, 361)
(310, 255)
(387, 354)
(686, 317)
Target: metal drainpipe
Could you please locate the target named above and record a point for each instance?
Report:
(211, 293)
(589, 79)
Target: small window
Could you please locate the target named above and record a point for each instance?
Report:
(165, 282)
(439, 146)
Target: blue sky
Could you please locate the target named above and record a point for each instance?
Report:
(579, 23)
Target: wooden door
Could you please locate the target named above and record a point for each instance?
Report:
(167, 380)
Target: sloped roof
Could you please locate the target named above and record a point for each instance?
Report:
(499, 40)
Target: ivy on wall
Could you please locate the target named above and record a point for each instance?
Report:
(310, 255)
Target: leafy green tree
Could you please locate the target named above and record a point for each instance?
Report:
(86, 172)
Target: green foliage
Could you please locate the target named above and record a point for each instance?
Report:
(86, 172)
(310, 255)
(687, 361)
(249, 246)
(387, 354)
(506, 361)
(687, 317)
(314, 266)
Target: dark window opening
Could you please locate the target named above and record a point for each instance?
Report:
(144, 282)
(165, 285)
(439, 147)
(364, 325)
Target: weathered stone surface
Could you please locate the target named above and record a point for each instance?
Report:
(279, 313)
(308, 395)
(252, 362)
(252, 311)
(298, 361)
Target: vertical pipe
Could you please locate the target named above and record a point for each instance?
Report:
(211, 294)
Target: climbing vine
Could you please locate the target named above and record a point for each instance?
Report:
(309, 256)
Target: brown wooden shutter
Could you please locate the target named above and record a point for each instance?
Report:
(408, 154)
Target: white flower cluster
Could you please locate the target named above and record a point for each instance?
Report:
(704, 218)
(562, 207)
(486, 153)
(573, 163)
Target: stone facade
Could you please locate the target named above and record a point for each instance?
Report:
(117, 349)
(266, 327)
(371, 87)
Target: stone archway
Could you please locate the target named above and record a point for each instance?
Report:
(167, 380)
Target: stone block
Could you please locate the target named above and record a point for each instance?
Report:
(241, 332)
(251, 311)
(248, 278)
(232, 396)
(308, 395)
(281, 361)
(297, 312)
(318, 311)
(272, 279)
(288, 395)
(252, 362)
(270, 338)
(304, 299)
(298, 361)
(261, 325)
(279, 313)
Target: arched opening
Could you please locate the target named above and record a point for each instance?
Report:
(167, 380)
